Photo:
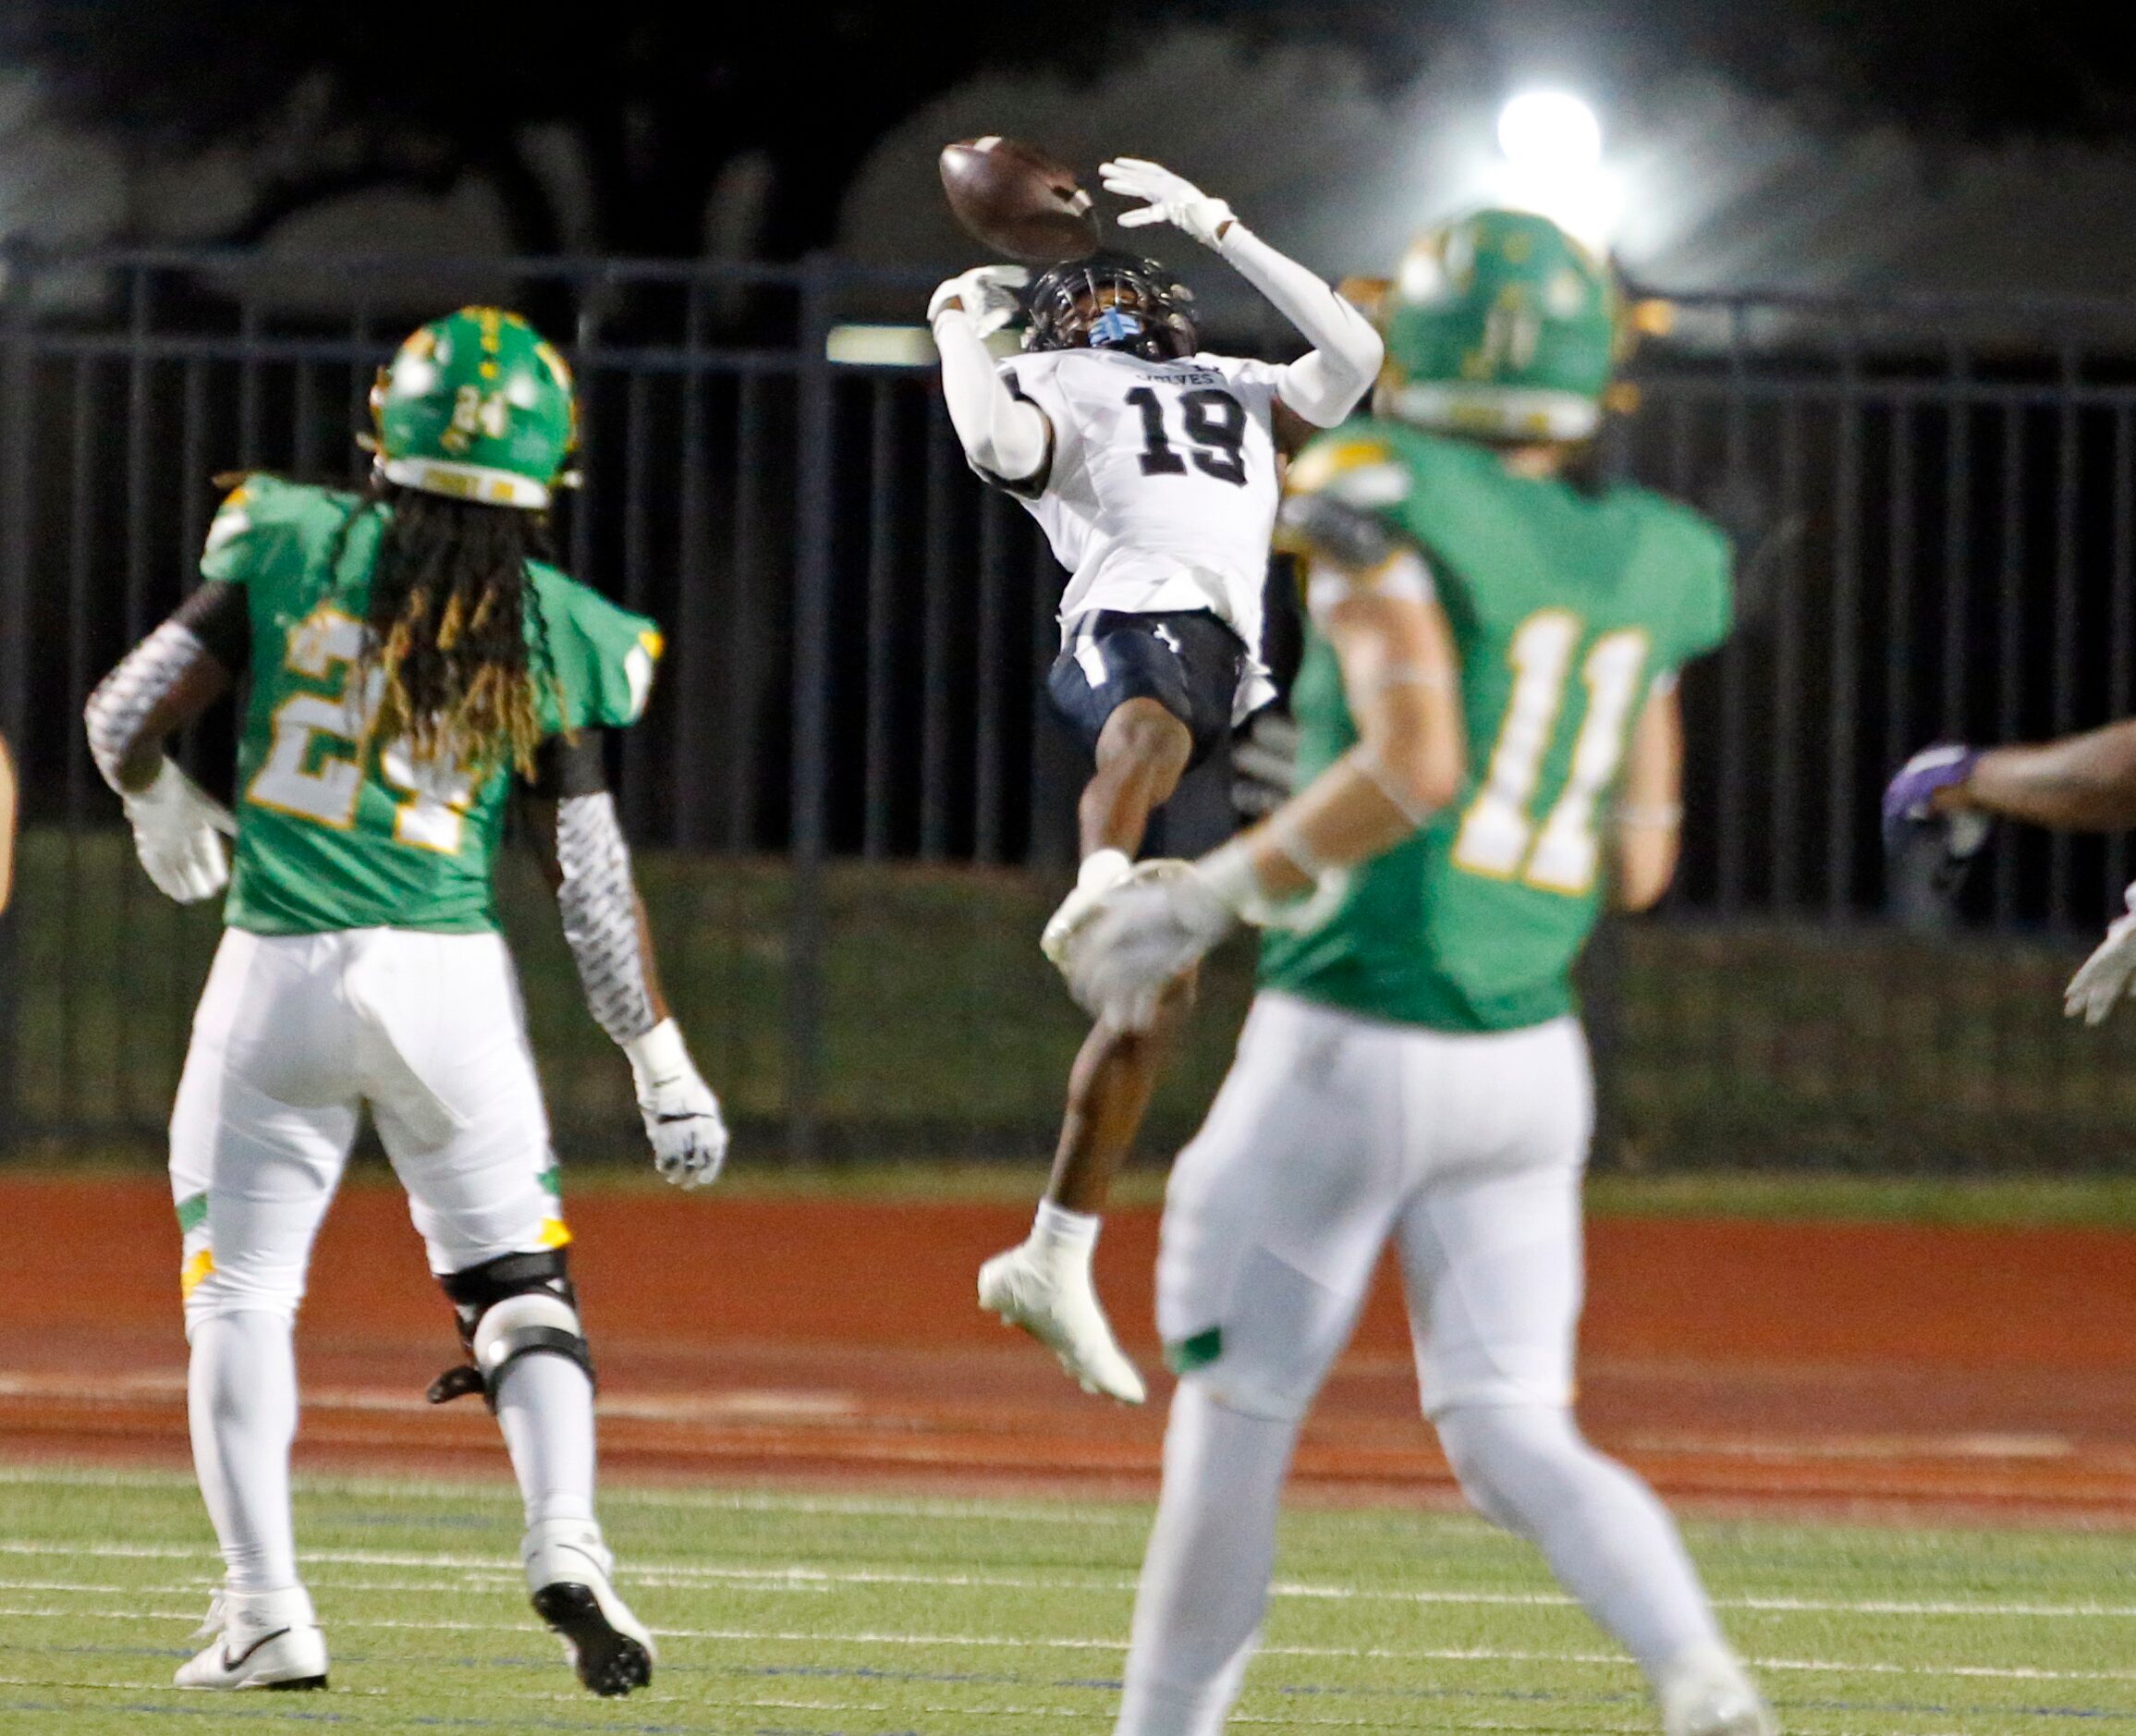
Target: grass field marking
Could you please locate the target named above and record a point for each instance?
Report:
(495, 1584)
(788, 1406)
(979, 1511)
(1995, 1672)
(762, 1576)
(19, 1613)
(1004, 1642)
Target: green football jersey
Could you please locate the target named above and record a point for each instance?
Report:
(336, 828)
(1566, 608)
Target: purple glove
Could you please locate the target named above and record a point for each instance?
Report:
(1909, 799)
(1927, 853)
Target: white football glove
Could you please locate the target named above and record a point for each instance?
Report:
(1166, 197)
(1156, 924)
(2103, 979)
(986, 293)
(1101, 871)
(175, 826)
(682, 1116)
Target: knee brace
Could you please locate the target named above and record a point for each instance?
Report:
(519, 1305)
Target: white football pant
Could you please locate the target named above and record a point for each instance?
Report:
(1332, 1136)
(1333, 1133)
(294, 1036)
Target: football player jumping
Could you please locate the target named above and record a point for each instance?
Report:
(1152, 468)
(1413, 1069)
(410, 656)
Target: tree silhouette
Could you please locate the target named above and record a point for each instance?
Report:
(658, 100)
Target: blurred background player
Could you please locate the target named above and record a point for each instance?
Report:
(1937, 811)
(411, 656)
(1413, 1068)
(1153, 470)
(7, 816)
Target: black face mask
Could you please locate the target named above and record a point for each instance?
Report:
(1150, 319)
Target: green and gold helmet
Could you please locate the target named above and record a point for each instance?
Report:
(476, 406)
(1501, 326)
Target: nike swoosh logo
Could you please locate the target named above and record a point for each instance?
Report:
(237, 1662)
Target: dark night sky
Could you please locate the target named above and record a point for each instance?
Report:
(1801, 144)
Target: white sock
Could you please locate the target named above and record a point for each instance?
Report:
(545, 1408)
(1205, 1576)
(1064, 1235)
(241, 1402)
(1610, 1543)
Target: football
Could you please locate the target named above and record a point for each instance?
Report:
(1016, 200)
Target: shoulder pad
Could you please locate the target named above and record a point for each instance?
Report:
(233, 517)
(1362, 471)
(266, 524)
(602, 655)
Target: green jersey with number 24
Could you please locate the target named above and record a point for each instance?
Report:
(335, 828)
(1567, 608)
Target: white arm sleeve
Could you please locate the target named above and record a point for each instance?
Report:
(1005, 436)
(599, 901)
(1324, 385)
(125, 697)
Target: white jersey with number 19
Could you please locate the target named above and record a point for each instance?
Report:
(1162, 491)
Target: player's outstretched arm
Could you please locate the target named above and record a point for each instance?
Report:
(2081, 783)
(1324, 385)
(1940, 805)
(1007, 438)
(1648, 822)
(580, 844)
(1401, 678)
(160, 686)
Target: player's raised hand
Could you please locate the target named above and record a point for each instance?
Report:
(1154, 924)
(177, 833)
(987, 293)
(682, 1118)
(2103, 979)
(1166, 197)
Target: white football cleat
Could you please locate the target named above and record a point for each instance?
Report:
(567, 1577)
(1049, 1295)
(257, 1640)
(1707, 1694)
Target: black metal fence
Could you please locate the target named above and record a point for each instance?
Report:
(853, 810)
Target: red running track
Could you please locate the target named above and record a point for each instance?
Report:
(1863, 1369)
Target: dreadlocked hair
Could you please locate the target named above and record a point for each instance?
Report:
(451, 601)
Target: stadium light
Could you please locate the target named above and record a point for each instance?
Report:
(1550, 143)
(1551, 132)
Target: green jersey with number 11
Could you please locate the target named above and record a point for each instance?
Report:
(335, 828)
(1566, 608)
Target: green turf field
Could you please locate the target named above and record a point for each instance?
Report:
(866, 1616)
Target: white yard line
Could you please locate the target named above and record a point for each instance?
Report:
(979, 1511)
(680, 1573)
(866, 1637)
